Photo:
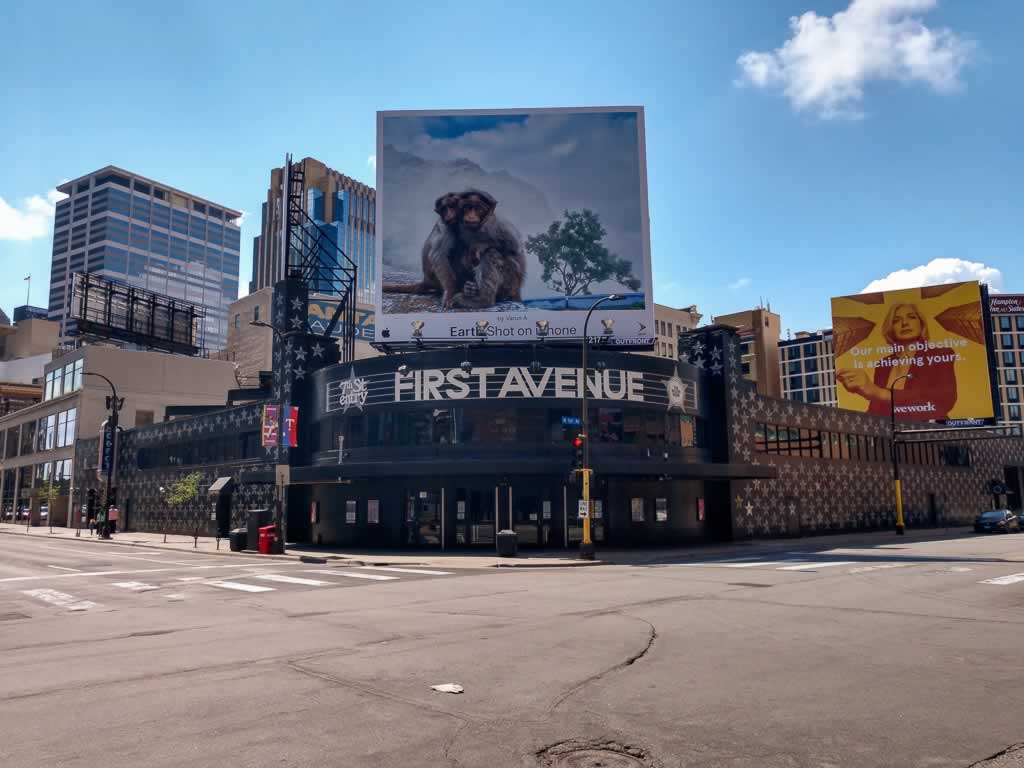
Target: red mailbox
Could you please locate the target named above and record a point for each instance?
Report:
(268, 533)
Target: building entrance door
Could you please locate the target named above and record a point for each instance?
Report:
(423, 519)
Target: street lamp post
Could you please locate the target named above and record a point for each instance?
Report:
(587, 545)
(114, 405)
(281, 508)
(895, 453)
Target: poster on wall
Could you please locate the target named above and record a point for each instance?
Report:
(508, 218)
(926, 345)
(271, 423)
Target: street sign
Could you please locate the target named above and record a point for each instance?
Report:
(584, 508)
(570, 421)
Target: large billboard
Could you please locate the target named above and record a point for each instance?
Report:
(936, 334)
(504, 223)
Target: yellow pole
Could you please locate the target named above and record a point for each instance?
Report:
(586, 498)
(899, 506)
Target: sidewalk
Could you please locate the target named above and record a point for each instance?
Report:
(476, 559)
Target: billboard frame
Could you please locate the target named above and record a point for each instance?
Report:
(383, 340)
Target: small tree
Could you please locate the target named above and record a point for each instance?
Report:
(48, 492)
(185, 490)
(573, 257)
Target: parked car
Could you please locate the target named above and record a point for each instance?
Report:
(997, 521)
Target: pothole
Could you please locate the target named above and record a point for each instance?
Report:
(595, 754)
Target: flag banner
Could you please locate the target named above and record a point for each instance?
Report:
(271, 413)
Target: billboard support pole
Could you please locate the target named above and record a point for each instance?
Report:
(895, 454)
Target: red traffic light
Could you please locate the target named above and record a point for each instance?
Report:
(577, 442)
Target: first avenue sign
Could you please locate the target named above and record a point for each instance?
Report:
(512, 382)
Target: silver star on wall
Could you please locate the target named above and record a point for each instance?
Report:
(300, 355)
(318, 350)
(297, 304)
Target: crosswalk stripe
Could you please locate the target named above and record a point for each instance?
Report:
(815, 566)
(135, 586)
(405, 570)
(60, 599)
(175, 598)
(1003, 581)
(349, 574)
(290, 579)
(759, 563)
(239, 586)
(882, 567)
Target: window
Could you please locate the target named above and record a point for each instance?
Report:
(1010, 376)
(636, 506)
(746, 368)
(62, 429)
(1007, 340)
(1020, 322)
(1004, 323)
(116, 178)
(350, 512)
(661, 510)
(76, 381)
(238, 321)
(1013, 413)
(141, 187)
(373, 511)
(256, 312)
(1009, 360)
(1012, 395)
(198, 207)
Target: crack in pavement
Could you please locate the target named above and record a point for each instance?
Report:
(651, 637)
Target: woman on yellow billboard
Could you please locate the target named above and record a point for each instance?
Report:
(929, 393)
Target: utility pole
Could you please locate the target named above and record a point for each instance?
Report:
(114, 404)
(895, 454)
(587, 545)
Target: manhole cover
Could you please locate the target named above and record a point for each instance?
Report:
(605, 754)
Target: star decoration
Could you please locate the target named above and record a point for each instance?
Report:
(296, 323)
(318, 350)
(716, 354)
(297, 304)
(300, 373)
(300, 354)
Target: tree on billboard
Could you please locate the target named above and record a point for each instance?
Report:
(573, 255)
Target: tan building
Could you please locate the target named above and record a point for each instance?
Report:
(250, 347)
(37, 443)
(25, 349)
(28, 338)
(342, 207)
(668, 324)
(759, 331)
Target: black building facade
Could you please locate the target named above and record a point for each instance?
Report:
(442, 448)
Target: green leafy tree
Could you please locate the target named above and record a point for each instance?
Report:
(47, 493)
(185, 490)
(573, 256)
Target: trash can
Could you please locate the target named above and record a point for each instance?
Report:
(267, 536)
(237, 539)
(508, 543)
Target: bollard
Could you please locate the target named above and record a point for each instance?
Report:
(195, 534)
(218, 543)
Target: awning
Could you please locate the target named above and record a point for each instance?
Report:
(222, 485)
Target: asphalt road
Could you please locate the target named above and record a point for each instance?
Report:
(908, 654)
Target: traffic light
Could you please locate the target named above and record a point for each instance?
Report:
(577, 451)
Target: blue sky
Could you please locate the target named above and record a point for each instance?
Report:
(788, 163)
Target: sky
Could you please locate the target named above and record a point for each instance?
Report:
(796, 149)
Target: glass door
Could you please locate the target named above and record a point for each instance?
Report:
(423, 519)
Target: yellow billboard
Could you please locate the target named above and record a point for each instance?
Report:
(926, 346)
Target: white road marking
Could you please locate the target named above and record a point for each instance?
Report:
(135, 586)
(759, 563)
(65, 568)
(176, 598)
(190, 578)
(60, 599)
(881, 567)
(405, 570)
(127, 573)
(815, 566)
(238, 586)
(1003, 581)
(289, 579)
(339, 572)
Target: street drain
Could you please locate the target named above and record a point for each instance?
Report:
(595, 754)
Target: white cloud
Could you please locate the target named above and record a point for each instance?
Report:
(740, 284)
(32, 220)
(371, 161)
(938, 272)
(828, 60)
(242, 218)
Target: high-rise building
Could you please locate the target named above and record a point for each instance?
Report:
(343, 208)
(809, 368)
(124, 226)
(1008, 330)
(758, 330)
